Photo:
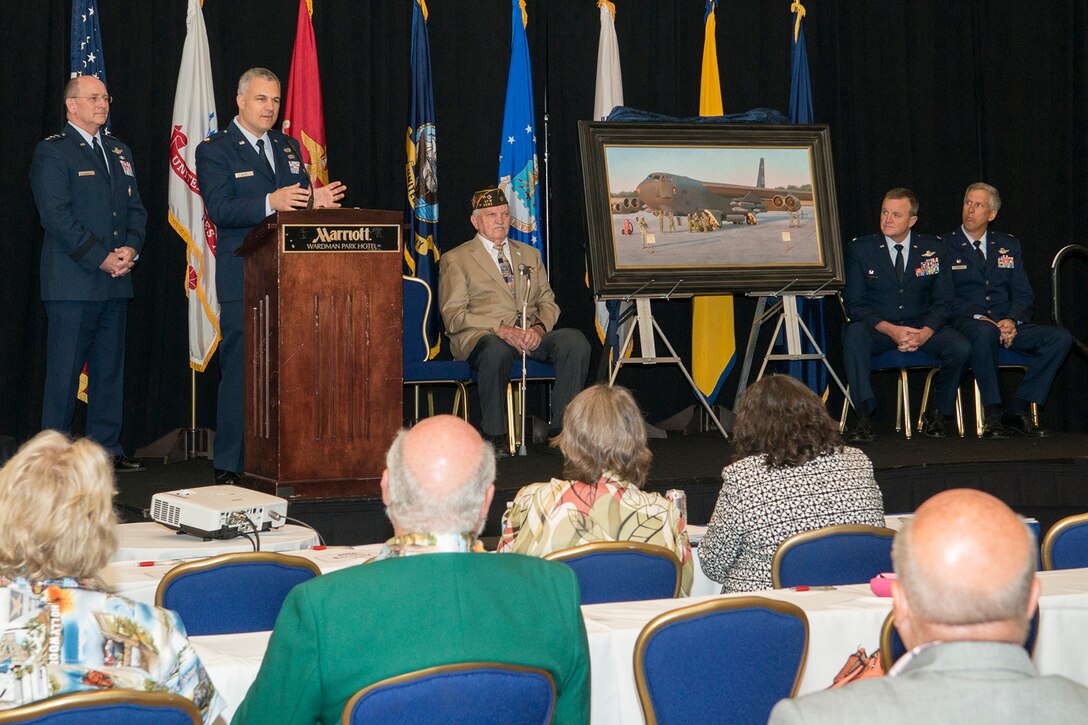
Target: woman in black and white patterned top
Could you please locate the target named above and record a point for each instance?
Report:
(791, 473)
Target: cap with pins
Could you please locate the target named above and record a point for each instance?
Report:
(484, 198)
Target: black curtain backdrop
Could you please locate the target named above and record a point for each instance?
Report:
(928, 95)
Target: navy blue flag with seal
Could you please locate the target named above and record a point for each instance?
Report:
(421, 252)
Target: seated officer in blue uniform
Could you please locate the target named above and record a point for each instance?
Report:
(993, 304)
(898, 295)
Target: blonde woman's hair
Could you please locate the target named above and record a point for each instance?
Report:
(603, 431)
(56, 509)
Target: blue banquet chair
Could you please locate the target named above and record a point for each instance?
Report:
(1065, 545)
(833, 555)
(419, 371)
(231, 593)
(622, 571)
(471, 693)
(106, 707)
(731, 658)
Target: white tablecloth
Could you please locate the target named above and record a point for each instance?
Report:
(150, 541)
(839, 621)
(137, 582)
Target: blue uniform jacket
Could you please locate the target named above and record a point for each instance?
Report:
(86, 215)
(873, 294)
(234, 182)
(1000, 289)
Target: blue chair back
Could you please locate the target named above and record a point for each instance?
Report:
(473, 693)
(1065, 545)
(417, 306)
(727, 660)
(892, 647)
(233, 592)
(831, 556)
(622, 571)
(107, 707)
(1012, 359)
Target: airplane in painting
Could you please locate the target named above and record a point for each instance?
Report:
(663, 193)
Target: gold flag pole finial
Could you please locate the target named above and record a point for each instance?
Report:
(799, 9)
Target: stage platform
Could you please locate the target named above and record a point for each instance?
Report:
(1045, 478)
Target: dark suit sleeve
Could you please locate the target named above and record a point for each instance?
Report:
(218, 188)
(854, 293)
(50, 180)
(1021, 296)
(288, 685)
(137, 214)
(944, 293)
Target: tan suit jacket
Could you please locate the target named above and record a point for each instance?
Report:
(475, 300)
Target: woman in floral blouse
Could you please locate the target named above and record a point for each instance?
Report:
(60, 632)
(605, 461)
(791, 473)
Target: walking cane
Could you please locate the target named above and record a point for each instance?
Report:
(524, 270)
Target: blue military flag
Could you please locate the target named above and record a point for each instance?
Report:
(85, 48)
(421, 253)
(811, 372)
(517, 150)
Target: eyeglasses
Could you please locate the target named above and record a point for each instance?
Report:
(95, 99)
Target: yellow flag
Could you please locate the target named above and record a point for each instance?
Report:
(713, 340)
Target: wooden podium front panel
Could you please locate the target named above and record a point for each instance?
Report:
(323, 378)
(340, 346)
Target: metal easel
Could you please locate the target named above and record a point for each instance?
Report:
(785, 309)
(646, 325)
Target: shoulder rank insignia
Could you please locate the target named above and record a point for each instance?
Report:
(54, 137)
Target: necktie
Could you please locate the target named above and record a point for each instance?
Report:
(260, 150)
(506, 269)
(100, 153)
(979, 252)
(900, 266)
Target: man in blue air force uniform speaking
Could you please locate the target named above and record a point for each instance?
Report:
(245, 173)
(84, 185)
(993, 307)
(898, 295)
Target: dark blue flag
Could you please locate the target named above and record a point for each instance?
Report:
(517, 149)
(85, 56)
(421, 251)
(811, 311)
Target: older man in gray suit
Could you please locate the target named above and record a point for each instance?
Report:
(965, 593)
(481, 290)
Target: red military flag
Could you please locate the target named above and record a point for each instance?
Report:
(303, 117)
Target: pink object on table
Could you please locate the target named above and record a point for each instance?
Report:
(881, 584)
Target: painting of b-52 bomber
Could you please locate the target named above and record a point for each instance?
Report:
(695, 208)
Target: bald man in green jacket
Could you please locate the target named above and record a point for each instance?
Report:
(433, 599)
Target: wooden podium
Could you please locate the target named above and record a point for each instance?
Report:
(323, 378)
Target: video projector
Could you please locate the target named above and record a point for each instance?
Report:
(218, 512)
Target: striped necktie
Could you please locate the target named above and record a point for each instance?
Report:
(506, 270)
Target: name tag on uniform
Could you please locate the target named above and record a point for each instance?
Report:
(87, 173)
(243, 174)
(958, 266)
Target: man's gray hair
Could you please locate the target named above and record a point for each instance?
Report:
(943, 600)
(995, 196)
(414, 508)
(249, 75)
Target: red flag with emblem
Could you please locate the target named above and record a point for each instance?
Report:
(303, 118)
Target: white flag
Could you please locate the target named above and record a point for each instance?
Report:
(608, 95)
(194, 118)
